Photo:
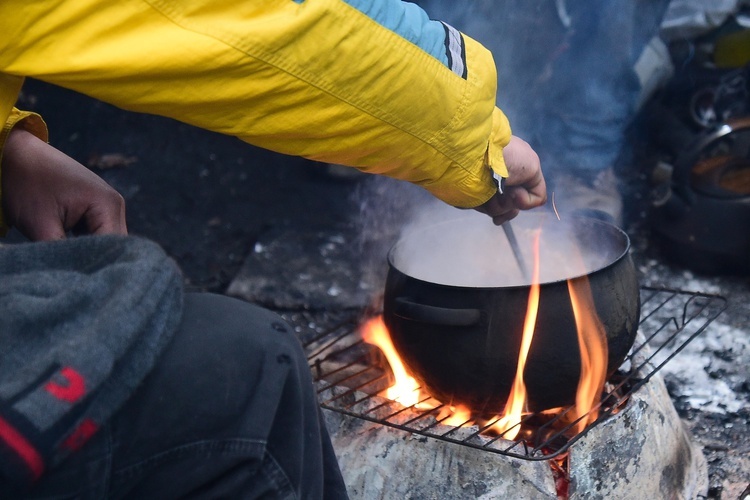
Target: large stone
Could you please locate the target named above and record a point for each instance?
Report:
(642, 452)
(380, 462)
(295, 269)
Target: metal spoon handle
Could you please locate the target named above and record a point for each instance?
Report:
(516, 250)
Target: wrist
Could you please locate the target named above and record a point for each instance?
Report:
(19, 129)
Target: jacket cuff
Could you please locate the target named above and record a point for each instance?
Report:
(492, 164)
(30, 122)
(501, 134)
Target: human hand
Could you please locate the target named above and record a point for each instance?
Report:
(45, 192)
(524, 187)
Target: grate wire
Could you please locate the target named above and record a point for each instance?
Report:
(349, 380)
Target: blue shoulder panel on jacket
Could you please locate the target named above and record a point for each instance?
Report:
(409, 21)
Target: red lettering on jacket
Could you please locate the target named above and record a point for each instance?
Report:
(81, 434)
(74, 388)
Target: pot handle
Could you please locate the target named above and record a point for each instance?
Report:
(434, 315)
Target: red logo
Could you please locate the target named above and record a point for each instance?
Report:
(72, 390)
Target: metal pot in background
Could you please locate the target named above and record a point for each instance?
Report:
(458, 325)
(701, 205)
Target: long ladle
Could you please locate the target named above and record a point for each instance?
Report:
(510, 234)
(516, 250)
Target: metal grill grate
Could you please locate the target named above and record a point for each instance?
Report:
(350, 381)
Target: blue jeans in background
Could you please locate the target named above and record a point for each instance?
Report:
(566, 74)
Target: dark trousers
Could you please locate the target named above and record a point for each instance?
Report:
(229, 412)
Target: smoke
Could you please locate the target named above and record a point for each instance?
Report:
(437, 243)
(566, 75)
(384, 207)
(464, 248)
(567, 83)
(387, 206)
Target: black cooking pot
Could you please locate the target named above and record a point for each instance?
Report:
(455, 305)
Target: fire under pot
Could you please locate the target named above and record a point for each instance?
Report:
(636, 444)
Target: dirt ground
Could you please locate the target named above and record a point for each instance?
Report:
(211, 201)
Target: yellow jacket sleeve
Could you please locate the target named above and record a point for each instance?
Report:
(332, 80)
(29, 121)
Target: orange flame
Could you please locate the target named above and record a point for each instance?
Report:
(509, 423)
(459, 415)
(405, 389)
(592, 341)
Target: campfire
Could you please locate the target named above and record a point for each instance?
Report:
(405, 439)
(388, 415)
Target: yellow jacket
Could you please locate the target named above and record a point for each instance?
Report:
(372, 84)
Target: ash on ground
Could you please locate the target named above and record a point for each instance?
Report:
(709, 380)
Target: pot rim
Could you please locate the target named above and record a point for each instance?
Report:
(610, 227)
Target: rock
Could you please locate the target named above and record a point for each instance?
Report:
(380, 462)
(294, 269)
